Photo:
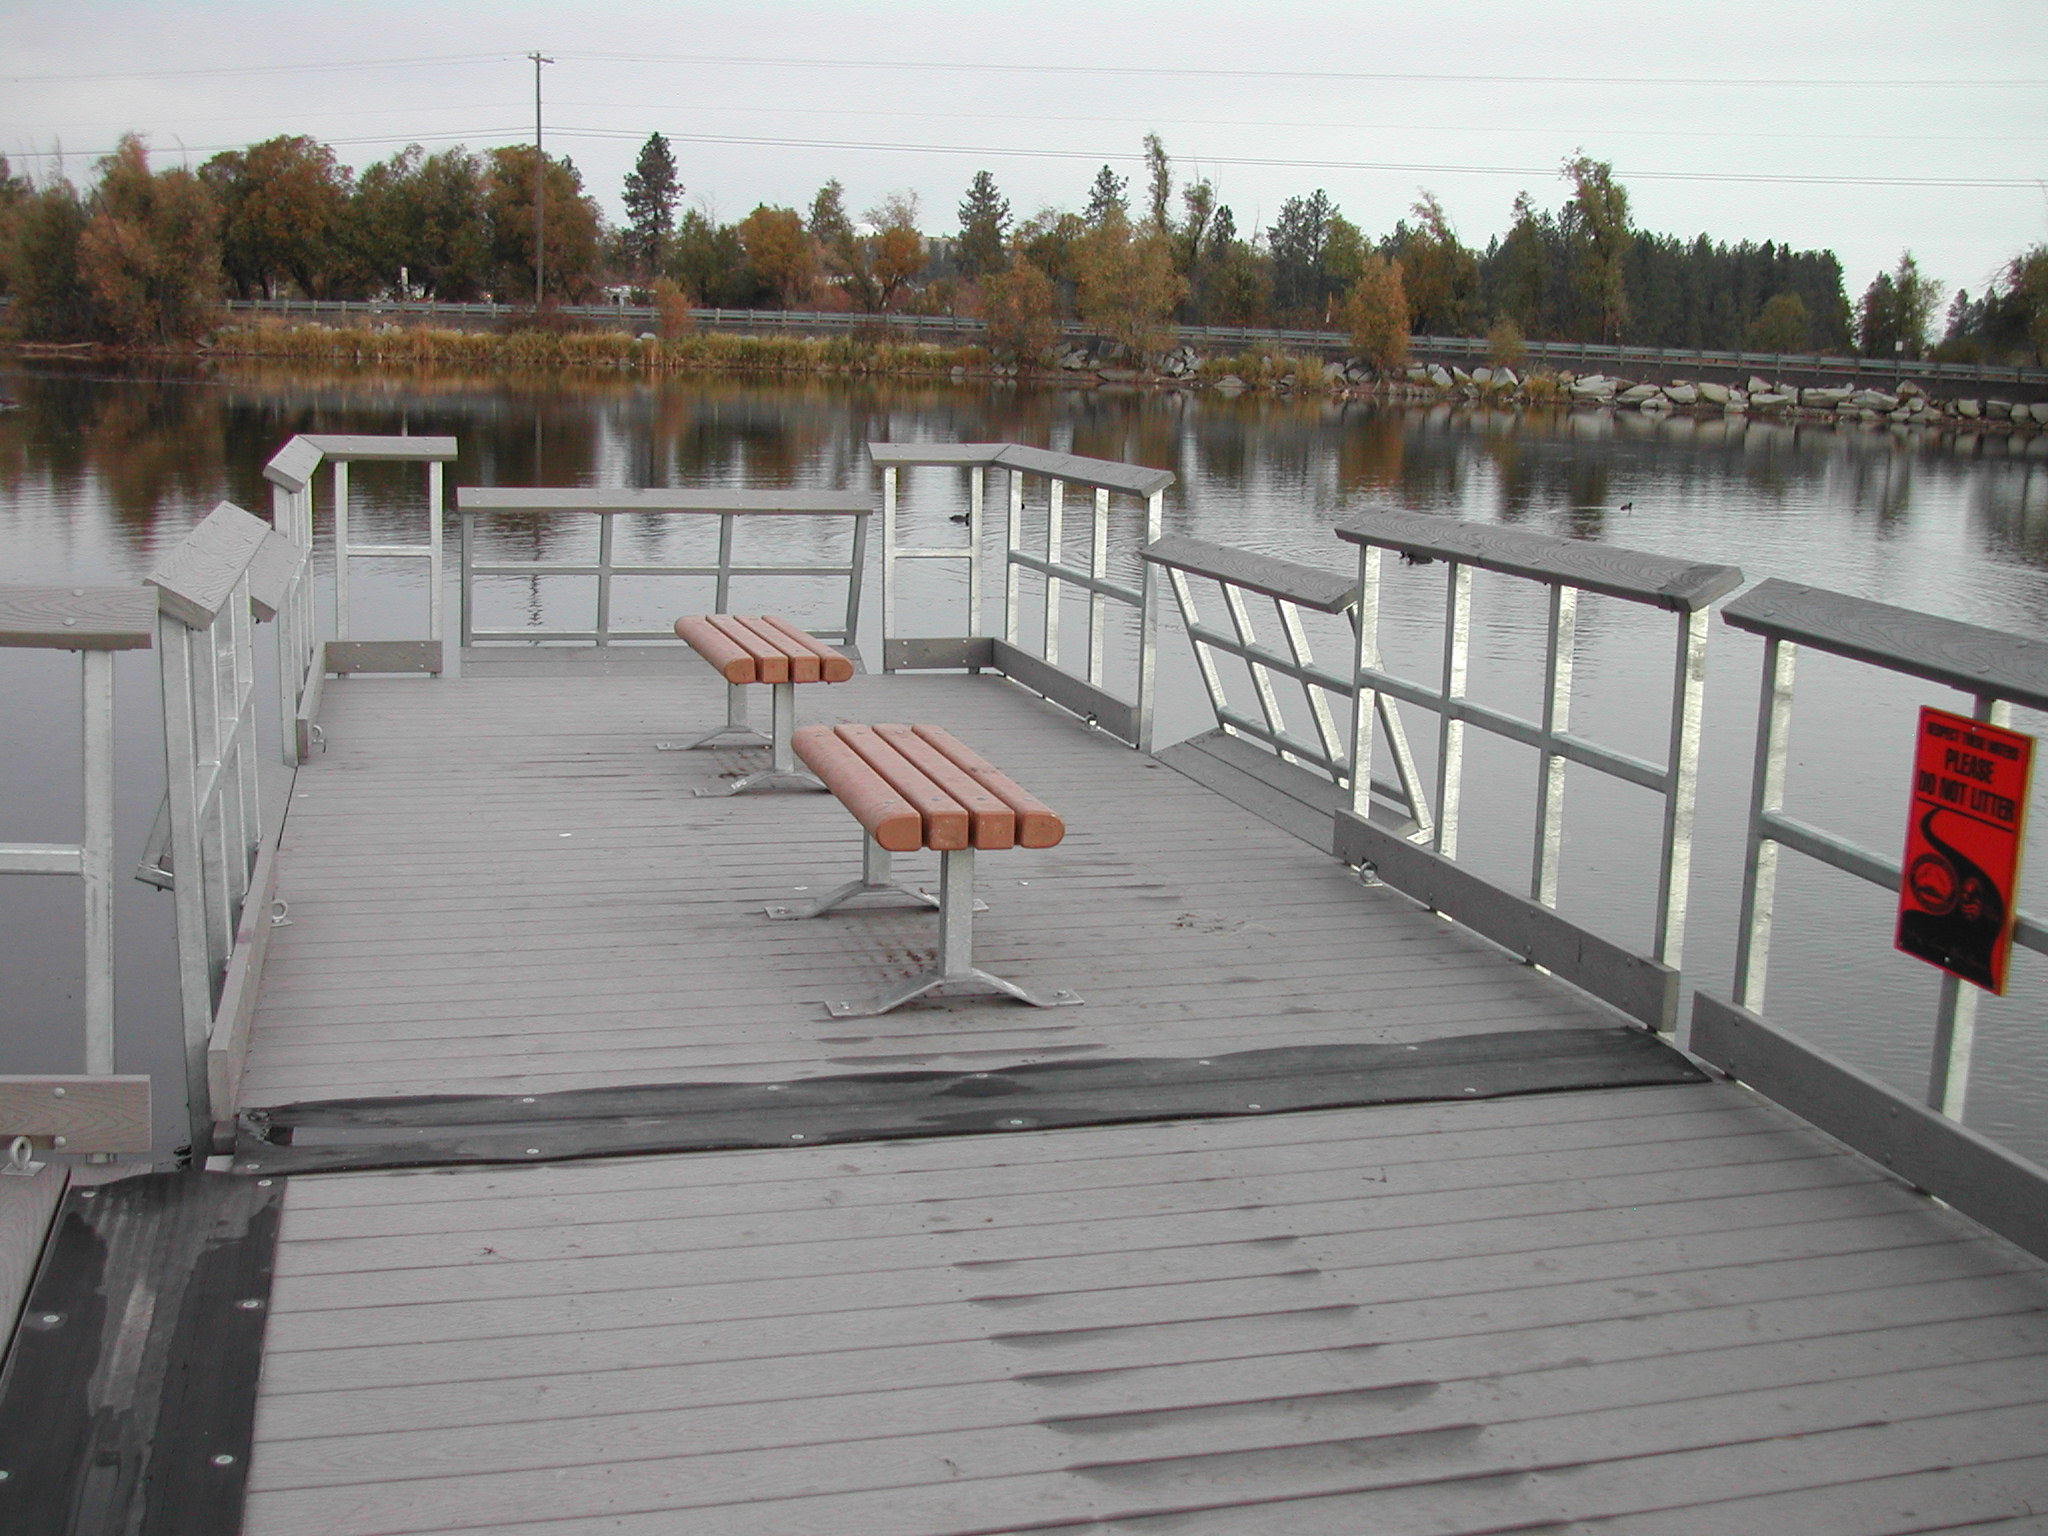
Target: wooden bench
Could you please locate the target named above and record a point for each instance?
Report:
(912, 787)
(761, 648)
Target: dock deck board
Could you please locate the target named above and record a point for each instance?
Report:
(1657, 1311)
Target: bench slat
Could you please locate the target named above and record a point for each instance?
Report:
(995, 824)
(1038, 825)
(946, 821)
(771, 664)
(801, 660)
(888, 818)
(832, 667)
(736, 664)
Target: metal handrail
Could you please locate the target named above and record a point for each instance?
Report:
(1105, 479)
(95, 622)
(1567, 567)
(228, 573)
(1292, 590)
(290, 472)
(728, 506)
(1997, 670)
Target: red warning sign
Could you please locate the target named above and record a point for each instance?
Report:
(1963, 844)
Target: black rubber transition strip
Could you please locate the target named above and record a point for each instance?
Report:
(336, 1135)
(129, 1399)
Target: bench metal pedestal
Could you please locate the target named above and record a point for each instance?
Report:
(955, 975)
(782, 771)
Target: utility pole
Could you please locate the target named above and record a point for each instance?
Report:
(540, 189)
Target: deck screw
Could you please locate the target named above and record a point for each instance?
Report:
(1014, 1122)
(533, 1151)
(57, 1093)
(251, 1304)
(71, 621)
(261, 1183)
(87, 1194)
(1253, 1106)
(58, 1141)
(51, 1319)
(799, 1136)
(223, 1460)
(526, 1101)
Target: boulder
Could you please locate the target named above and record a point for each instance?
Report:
(1771, 399)
(1593, 389)
(1418, 374)
(1757, 386)
(1460, 376)
(1715, 394)
(1333, 373)
(2039, 411)
(1506, 378)
(1482, 376)
(1681, 394)
(1909, 390)
(1438, 376)
(1230, 384)
(1636, 394)
(1998, 410)
(1824, 399)
(1874, 400)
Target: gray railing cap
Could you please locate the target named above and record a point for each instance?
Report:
(1308, 585)
(293, 464)
(1966, 656)
(195, 580)
(1682, 585)
(77, 618)
(1101, 474)
(492, 498)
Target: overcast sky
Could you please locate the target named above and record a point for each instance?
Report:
(1865, 127)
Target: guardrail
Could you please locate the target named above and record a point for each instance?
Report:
(1477, 348)
(100, 1114)
(1644, 986)
(1322, 699)
(1924, 1143)
(230, 572)
(304, 657)
(1087, 694)
(729, 507)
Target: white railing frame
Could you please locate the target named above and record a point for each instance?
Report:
(1104, 479)
(1994, 670)
(1566, 567)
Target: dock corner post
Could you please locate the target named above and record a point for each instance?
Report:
(1149, 602)
(181, 768)
(1365, 624)
(1760, 852)
(888, 561)
(341, 550)
(96, 860)
(435, 495)
(604, 571)
(466, 579)
(977, 496)
(1681, 793)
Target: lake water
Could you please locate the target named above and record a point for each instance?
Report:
(102, 471)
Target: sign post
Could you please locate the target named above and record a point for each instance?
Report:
(1964, 837)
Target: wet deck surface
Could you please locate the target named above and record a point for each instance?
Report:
(1649, 1310)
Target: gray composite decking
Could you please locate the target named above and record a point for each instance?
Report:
(1654, 1311)
(497, 885)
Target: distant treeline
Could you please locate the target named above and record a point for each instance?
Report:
(141, 257)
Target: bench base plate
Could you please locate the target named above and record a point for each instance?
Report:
(972, 982)
(766, 778)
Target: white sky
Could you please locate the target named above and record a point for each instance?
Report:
(1696, 106)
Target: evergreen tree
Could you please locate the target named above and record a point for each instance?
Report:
(1107, 196)
(984, 227)
(1596, 225)
(651, 193)
(1158, 186)
(1299, 241)
(1896, 309)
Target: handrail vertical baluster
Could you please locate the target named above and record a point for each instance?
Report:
(1013, 573)
(1450, 761)
(1055, 546)
(1148, 626)
(96, 858)
(1688, 694)
(1766, 797)
(1098, 568)
(1550, 766)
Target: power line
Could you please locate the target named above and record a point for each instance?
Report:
(414, 62)
(1381, 76)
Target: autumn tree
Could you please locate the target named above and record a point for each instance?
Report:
(287, 218)
(424, 224)
(898, 246)
(780, 253)
(1127, 286)
(1376, 313)
(1596, 224)
(41, 254)
(651, 193)
(1049, 241)
(1198, 214)
(574, 225)
(984, 227)
(1158, 187)
(841, 252)
(150, 256)
(1020, 309)
(709, 261)
(1440, 276)
(1233, 283)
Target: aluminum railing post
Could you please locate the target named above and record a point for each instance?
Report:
(96, 858)
(1760, 853)
(1148, 628)
(1674, 876)
(181, 772)
(1955, 1020)
(888, 561)
(1550, 766)
(1450, 761)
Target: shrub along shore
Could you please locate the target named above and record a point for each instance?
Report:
(1271, 371)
